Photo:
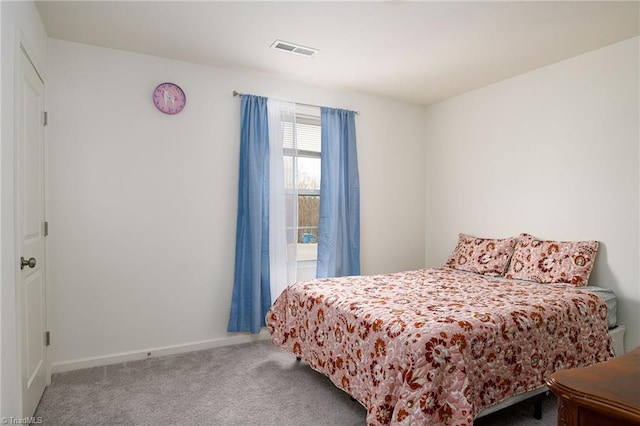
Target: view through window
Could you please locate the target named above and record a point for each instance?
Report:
(302, 176)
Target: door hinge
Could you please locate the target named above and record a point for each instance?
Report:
(47, 338)
(45, 118)
(46, 229)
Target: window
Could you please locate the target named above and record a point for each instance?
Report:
(302, 177)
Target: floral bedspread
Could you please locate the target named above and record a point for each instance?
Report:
(436, 346)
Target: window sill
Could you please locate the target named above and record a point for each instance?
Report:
(307, 253)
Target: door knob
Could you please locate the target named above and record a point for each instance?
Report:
(31, 263)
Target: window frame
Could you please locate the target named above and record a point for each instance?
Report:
(297, 153)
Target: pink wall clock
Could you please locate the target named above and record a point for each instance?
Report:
(169, 98)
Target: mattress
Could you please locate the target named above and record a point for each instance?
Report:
(610, 299)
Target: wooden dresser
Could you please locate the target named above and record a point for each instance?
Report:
(605, 394)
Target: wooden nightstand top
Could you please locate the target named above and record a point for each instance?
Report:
(611, 387)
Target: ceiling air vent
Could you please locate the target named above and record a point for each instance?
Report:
(293, 48)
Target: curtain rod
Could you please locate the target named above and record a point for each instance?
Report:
(236, 93)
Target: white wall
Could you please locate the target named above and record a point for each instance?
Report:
(20, 26)
(555, 153)
(142, 206)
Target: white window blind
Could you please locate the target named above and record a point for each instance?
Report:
(307, 132)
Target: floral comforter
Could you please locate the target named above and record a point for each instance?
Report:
(436, 346)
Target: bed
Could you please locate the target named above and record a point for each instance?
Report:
(437, 346)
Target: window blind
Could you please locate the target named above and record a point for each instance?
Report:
(307, 132)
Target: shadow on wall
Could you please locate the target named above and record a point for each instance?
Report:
(628, 308)
(632, 306)
(602, 275)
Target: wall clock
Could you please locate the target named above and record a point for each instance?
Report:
(169, 98)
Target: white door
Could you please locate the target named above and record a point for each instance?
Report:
(30, 217)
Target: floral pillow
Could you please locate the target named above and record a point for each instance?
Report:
(553, 261)
(482, 255)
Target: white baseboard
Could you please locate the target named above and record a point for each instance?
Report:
(78, 364)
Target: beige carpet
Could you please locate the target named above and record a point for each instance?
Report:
(251, 384)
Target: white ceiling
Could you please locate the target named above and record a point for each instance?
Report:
(418, 52)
